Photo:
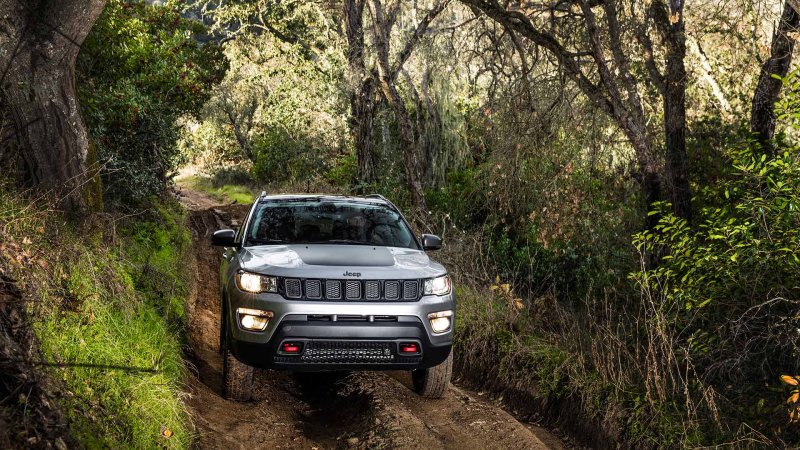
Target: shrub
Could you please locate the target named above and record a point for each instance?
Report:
(721, 306)
(139, 71)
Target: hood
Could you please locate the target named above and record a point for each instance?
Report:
(336, 261)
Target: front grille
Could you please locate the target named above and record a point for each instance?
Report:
(353, 290)
(333, 290)
(409, 290)
(293, 288)
(392, 290)
(314, 289)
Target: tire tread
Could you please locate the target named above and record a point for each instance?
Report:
(433, 382)
(237, 379)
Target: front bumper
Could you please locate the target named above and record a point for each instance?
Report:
(340, 335)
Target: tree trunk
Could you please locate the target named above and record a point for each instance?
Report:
(362, 92)
(408, 144)
(677, 170)
(762, 114)
(38, 49)
(363, 106)
(387, 75)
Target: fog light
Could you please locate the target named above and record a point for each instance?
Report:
(253, 319)
(440, 321)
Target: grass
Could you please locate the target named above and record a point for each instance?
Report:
(502, 346)
(109, 309)
(224, 193)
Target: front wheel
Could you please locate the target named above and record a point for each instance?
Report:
(237, 377)
(433, 382)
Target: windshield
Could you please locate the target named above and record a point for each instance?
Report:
(313, 221)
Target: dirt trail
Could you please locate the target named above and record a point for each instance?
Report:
(322, 411)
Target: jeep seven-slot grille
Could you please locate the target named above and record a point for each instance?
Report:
(350, 290)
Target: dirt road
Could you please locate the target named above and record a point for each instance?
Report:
(322, 411)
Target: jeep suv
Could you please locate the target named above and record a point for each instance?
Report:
(319, 283)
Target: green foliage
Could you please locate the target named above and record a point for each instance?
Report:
(281, 109)
(460, 197)
(109, 316)
(222, 192)
(279, 157)
(343, 170)
(140, 70)
(155, 251)
(727, 286)
(498, 338)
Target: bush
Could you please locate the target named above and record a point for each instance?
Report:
(139, 71)
(279, 157)
(721, 307)
(231, 175)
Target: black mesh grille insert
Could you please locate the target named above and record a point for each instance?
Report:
(392, 290)
(353, 290)
(313, 289)
(409, 290)
(372, 290)
(348, 352)
(293, 288)
(333, 290)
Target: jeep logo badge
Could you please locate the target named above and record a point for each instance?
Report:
(351, 274)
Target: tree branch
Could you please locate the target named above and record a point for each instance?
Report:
(418, 33)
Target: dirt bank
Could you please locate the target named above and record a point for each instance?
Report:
(358, 410)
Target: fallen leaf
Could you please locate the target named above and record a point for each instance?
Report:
(166, 432)
(791, 381)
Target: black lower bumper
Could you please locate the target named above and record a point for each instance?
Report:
(344, 346)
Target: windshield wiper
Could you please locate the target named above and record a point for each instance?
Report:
(266, 241)
(342, 241)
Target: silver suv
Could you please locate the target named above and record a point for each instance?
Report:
(316, 283)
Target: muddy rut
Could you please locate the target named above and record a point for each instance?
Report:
(323, 411)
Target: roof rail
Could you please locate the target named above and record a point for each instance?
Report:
(378, 196)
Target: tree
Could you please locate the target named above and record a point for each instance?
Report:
(39, 45)
(141, 72)
(383, 22)
(361, 83)
(762, 114)
(597, 58)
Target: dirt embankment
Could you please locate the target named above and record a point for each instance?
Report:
(359, 410)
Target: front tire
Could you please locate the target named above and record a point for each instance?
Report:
(433, 382)
(237, 377)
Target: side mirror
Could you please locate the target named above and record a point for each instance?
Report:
(224, 238)
(431, 242)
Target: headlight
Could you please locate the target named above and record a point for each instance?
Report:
(251, 282)
(441, 321)
(437, 286)
(253, 319)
